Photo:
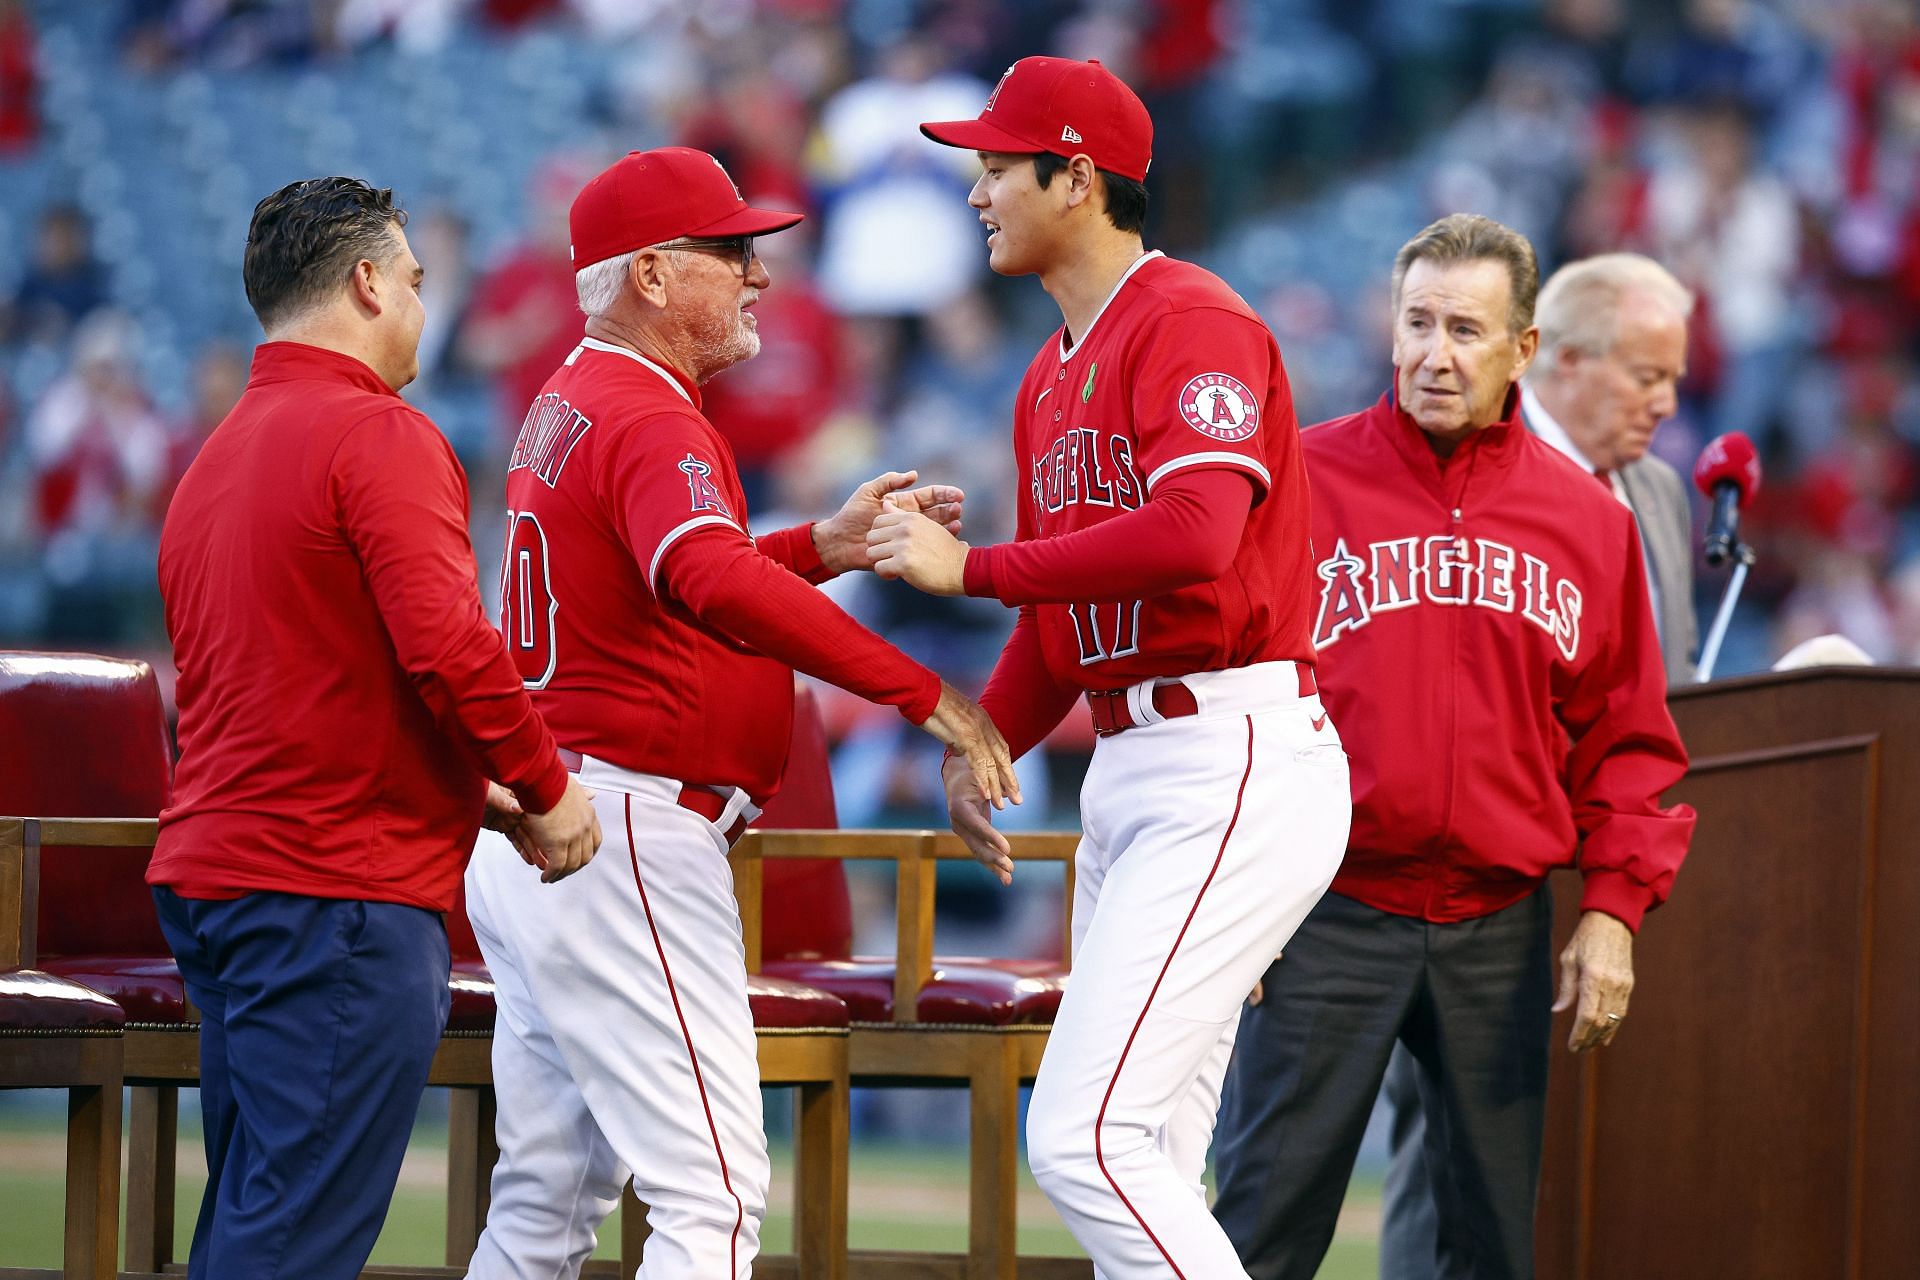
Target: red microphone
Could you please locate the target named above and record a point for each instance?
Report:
(1729, 474)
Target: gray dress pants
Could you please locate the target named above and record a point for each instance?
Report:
(1471, 1003)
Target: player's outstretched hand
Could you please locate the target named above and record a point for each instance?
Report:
(958, 721)
(567, 837)
(906, 544)
(972, 820)
(841, 539)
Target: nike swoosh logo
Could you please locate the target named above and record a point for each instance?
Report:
(1320, 723)
(1042, 396)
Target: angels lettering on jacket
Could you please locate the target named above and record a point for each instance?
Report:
(1445, 570)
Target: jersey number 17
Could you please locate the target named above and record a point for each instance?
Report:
(1106, 631)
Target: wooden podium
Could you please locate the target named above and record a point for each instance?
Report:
(1758, 1117)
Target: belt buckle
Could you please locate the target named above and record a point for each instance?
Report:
(1114, 704)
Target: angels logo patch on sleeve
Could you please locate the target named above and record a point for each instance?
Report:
(1219, 406)
(704, 493)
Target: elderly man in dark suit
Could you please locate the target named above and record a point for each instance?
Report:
(1613, 347)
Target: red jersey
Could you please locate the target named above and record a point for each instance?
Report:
(342, 695)
(1487, 648)
(1174, 372)
(1175, 376)
(651, 631)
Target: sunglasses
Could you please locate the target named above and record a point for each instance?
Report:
(739, 248)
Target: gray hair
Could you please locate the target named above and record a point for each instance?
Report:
(1468, 237)
(1579, 306)
(599, 285)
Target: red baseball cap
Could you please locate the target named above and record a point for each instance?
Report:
(1068, 108)
(649, 197)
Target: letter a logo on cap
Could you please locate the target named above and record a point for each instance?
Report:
(729, 177)
(992, 97)
(1068, 134)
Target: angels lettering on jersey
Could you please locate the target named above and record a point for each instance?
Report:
(1085, 466)
(1463, 572)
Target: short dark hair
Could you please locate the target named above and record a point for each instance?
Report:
(305, 237)
(1126, 199)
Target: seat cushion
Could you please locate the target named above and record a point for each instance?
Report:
(149, 988)
(776, 1004)
(39, 1003)
(964, 990)
(471, 1009)
(782, 1005)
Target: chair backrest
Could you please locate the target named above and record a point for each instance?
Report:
(86, 737)
(806, 911)
(461, 944)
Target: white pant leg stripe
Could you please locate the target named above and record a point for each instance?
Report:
(1100, 1120)
(740, 1208)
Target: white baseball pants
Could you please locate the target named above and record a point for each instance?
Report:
(623, 1046)
(1206, 840)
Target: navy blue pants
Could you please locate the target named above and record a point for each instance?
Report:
(319, 1020)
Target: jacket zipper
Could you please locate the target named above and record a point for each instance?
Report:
(1455, 525)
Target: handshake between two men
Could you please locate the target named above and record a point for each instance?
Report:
(900, 532)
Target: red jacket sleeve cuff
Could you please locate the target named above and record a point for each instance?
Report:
(1617, 894)
(806, 556)
(976, 579)
(924, 702)
(794, 549)
(541, 796)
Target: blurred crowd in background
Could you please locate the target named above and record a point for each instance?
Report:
(1768, 151)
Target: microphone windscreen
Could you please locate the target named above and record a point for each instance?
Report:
(1730, 458)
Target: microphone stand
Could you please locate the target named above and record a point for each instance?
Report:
(1743, 558)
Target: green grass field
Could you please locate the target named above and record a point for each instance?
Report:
(901, 1198)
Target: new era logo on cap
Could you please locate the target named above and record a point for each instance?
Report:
(1029, 110)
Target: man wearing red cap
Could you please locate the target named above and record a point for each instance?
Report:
(1162, 570)
(659, 640)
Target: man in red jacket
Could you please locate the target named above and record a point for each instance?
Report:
(343, 702)
(1487, 643)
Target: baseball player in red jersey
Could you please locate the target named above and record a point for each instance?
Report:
(659, 640)
(1162, 569)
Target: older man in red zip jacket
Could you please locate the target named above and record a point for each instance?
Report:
(1488, 647)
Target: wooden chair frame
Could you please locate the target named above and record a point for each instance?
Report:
(88, 1065)
(992, 1062)
(161, 1058)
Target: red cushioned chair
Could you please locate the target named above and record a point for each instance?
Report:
(96, 926)
(56, 1034)
(918, 1019)
(93, 743)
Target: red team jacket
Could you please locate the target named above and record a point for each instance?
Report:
(652, 631)
(1175, 377)
(1487, 648)
(342, 695)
